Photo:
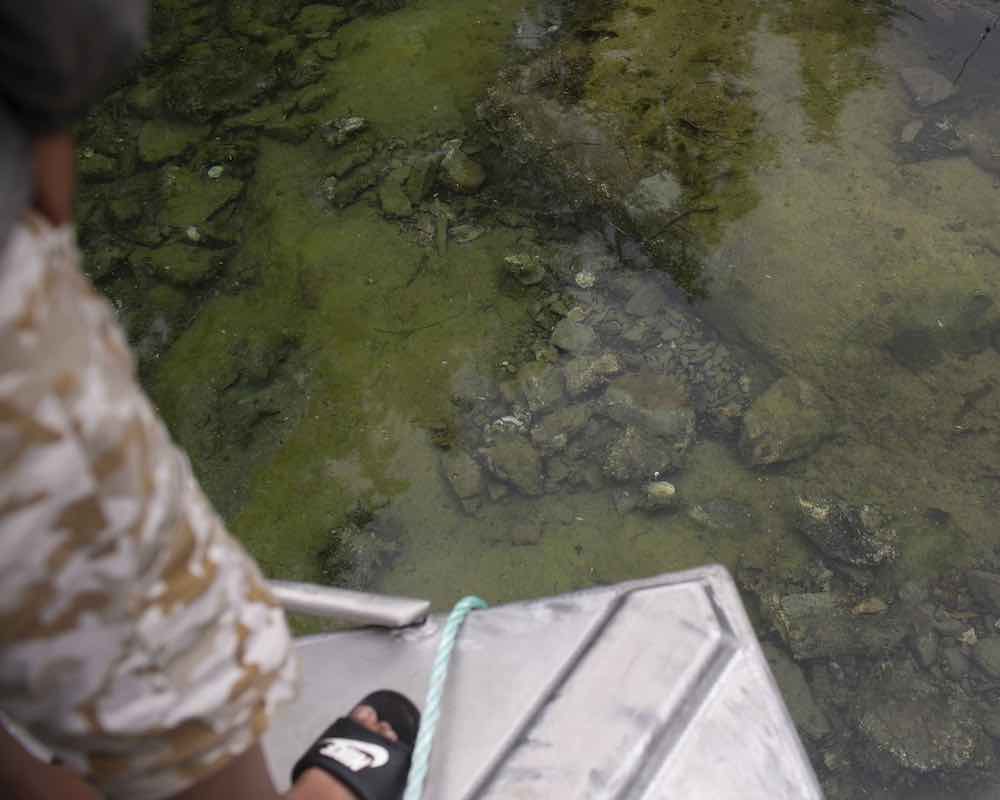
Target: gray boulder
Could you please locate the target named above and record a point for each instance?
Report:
(819, 625)
(807, 715)
(858, 535)
(788, 421)
(512, 459)
(985, 587)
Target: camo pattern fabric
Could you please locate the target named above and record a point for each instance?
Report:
(138, 640)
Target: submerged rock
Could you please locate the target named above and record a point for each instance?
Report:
(541, 386)
(573, 337)
(819, 625)
(512, 458)
(525, 268)
(658, 495)
(458, 171)
(925, 86)
(552, 434)
(986, 654)
(464, 476)
(925, 734)
(657, 404)
(722, 515)
(589, 372)
(859, 535)
(806, 714)
(790, 420)
(985, 587)
(184, 265)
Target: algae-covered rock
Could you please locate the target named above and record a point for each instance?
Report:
(586, 373)
(96, 167)
(986, 654)
(553, 433)
(819, 625)
(211, 78)
(790, 420)
(722, 515)
(464, 476)
(857, 534)
(654, 197)
(925, 733)
(512, 458)
(318, 21)
(160, 141)
(458, 171)
(657, 404)
(274, 121)
(192, 199)
(526, 268)
(393, 200)
(574, 337)
(540, 385)
(985, 587)
(185, 265)
(806, 714)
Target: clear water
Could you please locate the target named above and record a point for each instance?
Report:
(844, 247)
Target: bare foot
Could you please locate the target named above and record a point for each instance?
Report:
(315, 784)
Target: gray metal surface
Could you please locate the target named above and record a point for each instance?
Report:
(343, 604)
(650, 689)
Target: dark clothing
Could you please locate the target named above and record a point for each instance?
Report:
(56, 56)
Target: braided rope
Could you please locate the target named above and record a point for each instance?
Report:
(435, 689)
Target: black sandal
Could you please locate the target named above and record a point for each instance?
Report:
(371, 766)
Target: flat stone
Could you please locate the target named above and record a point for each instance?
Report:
(161, 141)
(636, 456)
(541, 386)
(925, 86)
(857, 534)
(986, 654)
(573, 337)
(788, 421)
(586, 373)
(985, 587)
(513, 459)
(819, 625)
(806, 713)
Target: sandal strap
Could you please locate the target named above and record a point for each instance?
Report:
(370, 765)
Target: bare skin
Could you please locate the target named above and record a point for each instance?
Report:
(24, 777)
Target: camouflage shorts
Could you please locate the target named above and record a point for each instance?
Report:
(138, 640)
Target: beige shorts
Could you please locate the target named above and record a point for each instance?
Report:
(138, 640)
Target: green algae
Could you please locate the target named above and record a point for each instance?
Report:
(836, 39)
(422, 69)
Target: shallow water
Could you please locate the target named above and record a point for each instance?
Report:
(845, 238)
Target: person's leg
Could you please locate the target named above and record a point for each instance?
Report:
(24, 777)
